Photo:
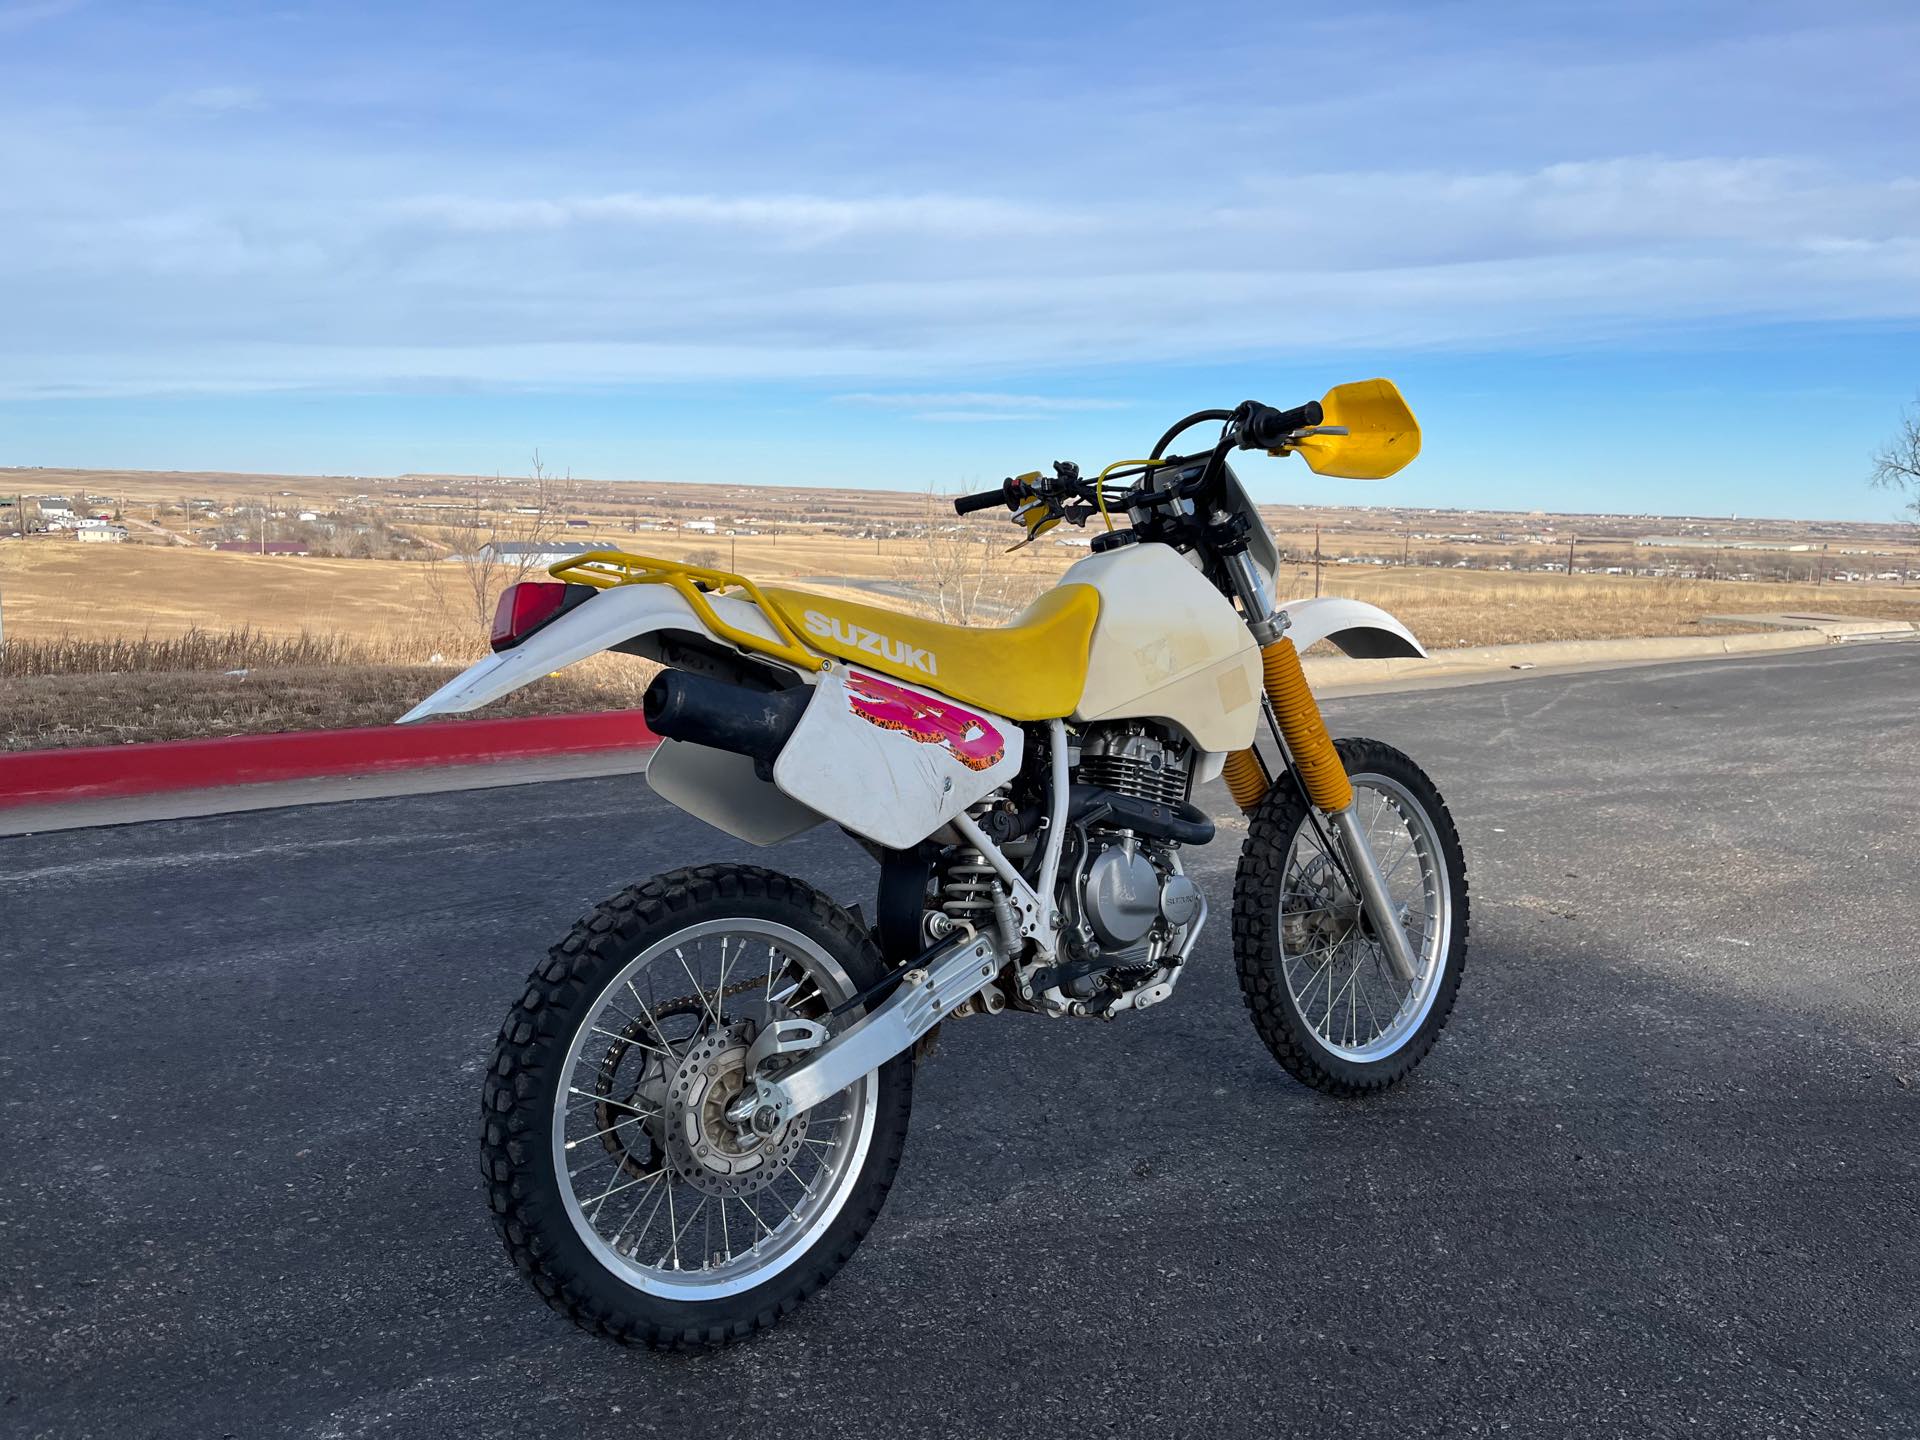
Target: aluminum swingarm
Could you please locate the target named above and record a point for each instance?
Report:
(941, 980)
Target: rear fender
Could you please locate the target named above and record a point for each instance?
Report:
(645, 620)
(1363, 631)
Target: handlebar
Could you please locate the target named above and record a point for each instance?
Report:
(1264, 428)
(1001, 494)
(1252, 426)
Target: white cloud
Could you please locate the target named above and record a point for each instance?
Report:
(218, 99)
(22, 13)
(294, 293)
(813, 216)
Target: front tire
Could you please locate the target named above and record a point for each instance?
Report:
(617, 1186)
(1316, 982)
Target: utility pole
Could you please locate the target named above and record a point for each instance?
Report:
(1570, 540)
(1316, 561)
(1406, 546)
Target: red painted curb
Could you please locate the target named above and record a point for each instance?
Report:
(97, 772)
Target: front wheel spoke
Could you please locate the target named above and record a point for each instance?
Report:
(1387, 872)
(1333, 999)
(1332, 952)
(1372, 1019)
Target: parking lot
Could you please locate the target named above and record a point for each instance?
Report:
(1661, 1176)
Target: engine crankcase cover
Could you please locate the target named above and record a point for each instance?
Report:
(1122, 895)
(1180, 901)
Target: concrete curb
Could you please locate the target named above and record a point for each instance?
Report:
(42, 777)
(1500, 660)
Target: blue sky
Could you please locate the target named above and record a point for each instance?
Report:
(1619, 256)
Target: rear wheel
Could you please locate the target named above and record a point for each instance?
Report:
(1316, 980)
(621, 1190)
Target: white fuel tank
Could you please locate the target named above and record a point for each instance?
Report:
(1168, 646)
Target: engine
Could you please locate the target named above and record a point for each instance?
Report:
(1126, 902)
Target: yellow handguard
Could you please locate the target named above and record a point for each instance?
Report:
(1318, 763)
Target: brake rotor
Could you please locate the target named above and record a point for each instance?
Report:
(1327, 909)
(703, 1149)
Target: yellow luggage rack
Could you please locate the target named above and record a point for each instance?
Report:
(604, 569)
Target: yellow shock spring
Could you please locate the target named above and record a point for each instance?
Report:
(1321, 772)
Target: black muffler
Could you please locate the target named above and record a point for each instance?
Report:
(757, 723)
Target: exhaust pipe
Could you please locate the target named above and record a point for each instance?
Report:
(755, 723)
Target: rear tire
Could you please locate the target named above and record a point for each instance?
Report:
(562, 1029)
(1290, 903)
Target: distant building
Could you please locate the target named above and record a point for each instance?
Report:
(272, 547)
(98, 532)
(535, 553)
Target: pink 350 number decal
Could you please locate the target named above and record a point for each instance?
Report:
(964, 735)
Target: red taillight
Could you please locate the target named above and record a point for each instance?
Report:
(524, 607)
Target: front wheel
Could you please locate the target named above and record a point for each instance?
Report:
(622, 1192)
(1322, 994)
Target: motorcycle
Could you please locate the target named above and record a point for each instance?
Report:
(697, 1106)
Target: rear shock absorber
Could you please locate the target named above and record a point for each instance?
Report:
(968, 883)
(967, 889)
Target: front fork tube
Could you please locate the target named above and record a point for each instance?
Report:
(1374, 895)
(1303, 734)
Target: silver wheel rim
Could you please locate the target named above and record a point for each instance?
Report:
(624, 1145)
(1339, 978)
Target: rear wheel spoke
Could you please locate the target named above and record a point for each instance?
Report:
(661, 1180)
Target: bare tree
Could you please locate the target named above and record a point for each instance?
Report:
(1896, 465)
(961, 575)
(497, 540)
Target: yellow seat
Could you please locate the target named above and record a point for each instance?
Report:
(1033, 669)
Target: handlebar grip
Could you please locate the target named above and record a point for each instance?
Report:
(985, 500)
(1264, 428)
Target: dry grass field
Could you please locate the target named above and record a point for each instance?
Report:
(57, 590)
(124, 642)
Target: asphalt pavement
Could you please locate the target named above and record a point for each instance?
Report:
(1660, 1177)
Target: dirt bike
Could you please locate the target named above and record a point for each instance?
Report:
(699, 1103)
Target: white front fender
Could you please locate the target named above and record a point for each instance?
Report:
(613, 617)
(1363, 631)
